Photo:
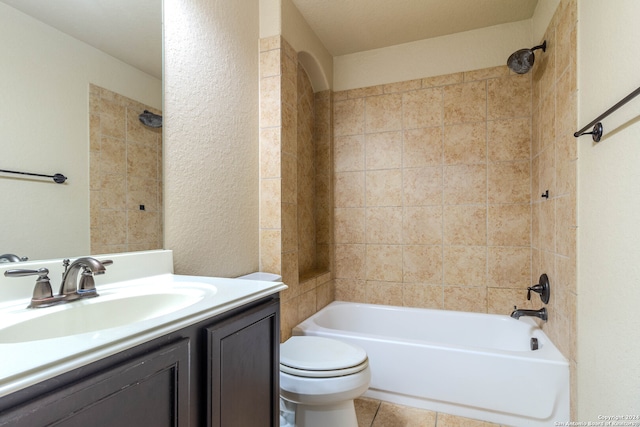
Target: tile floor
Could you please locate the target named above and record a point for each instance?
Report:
(375, 413)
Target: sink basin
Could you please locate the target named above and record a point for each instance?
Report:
(112, 309)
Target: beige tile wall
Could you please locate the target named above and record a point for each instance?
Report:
(433, 190)
(313, 178)
(554, 157)
(295, 184)
(306, 175)
(125, 173)
(322, 141)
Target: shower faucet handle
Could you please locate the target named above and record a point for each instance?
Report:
(535, 288)
(543, 288)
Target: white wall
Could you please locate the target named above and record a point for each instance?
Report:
(270, 18)
(470, 50)
(545, 10)
(44, 128)
(608, 211)
(211, 135)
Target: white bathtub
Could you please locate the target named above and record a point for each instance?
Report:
(468, 364)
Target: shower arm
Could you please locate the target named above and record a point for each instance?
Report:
(542, 46)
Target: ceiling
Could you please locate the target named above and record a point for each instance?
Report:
(132, 30)
(348, 26)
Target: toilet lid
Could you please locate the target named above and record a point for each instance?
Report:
(310, 353)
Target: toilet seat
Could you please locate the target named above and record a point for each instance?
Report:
(319, 357)
(324, 374)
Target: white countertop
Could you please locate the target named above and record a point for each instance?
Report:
(26, 363)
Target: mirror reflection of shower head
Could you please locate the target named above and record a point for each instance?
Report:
(150, 119)
(521, 61)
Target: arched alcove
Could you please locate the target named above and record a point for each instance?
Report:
(313, 159)
(314, 70)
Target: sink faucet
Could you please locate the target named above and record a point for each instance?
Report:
(517, 313)
(12, 258)
(70, 288)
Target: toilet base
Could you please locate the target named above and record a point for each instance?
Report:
(341, 414)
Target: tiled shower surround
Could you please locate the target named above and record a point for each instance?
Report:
(433, 190)
(125, 174)
(437, 187)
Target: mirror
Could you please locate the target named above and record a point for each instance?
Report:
(70, 68)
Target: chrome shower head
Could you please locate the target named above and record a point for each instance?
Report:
(521, 61)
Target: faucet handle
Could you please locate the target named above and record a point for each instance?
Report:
(543, 288)
(105, 263)
(22, 272)
(42, 292)
(86, 284)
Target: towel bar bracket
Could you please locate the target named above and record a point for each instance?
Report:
(596, 133)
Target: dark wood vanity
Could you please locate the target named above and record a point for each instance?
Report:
(220, 372)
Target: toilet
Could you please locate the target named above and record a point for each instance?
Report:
(319, 378)
(322, 377)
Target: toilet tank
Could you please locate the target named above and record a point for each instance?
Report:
(265, 277)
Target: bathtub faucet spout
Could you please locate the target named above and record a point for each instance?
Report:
(517, 313)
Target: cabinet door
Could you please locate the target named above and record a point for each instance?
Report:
(243, 369)
(151, 390)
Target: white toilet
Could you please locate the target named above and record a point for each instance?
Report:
(319, 378)
(322, 377)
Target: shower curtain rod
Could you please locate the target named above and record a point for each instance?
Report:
(596, 133)
(57, 178)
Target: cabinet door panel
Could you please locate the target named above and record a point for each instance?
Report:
(244, 370)
(150, 390)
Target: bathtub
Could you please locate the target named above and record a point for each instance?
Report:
(468, 364)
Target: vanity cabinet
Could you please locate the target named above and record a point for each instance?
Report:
(144, 391)
(242, 384)
(222, 371)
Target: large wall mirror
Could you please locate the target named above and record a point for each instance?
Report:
(75, 76)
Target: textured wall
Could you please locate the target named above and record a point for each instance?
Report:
(211, 136)
(608, 206)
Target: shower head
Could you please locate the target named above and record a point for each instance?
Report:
(150, 119)
(521, 61)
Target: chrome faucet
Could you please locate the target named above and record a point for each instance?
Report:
(517, 313)
(12, 258)
(71, 288)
